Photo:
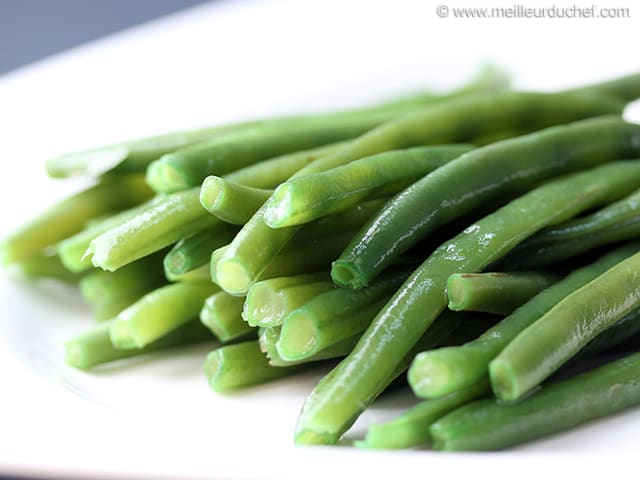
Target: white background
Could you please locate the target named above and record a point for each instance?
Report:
(222, 62)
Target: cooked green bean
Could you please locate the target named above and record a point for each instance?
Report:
(307, 198)
(158, 313)
(439, 329)
(195, 250)
(135, 155)
(269, 339)
(222, 314)
(270, 173)
(503, 168)
(241, 365)
(411, 429)
(336, 402)
(100, 287)
(131, 156)
(625, 88)
(256, 246)
(94, 347)
(499, 293)
(333, 316)
(445, 370)
(232, 202)
(492, 425)
(188, 167)
(242, 263)
(72, 250)
(544, 346)
(303, 336)
(69, 216)
(270, 301)
(165, 221)
(613, 223)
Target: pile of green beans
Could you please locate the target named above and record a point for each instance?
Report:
(484, 242)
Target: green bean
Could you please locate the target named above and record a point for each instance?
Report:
(411, 429)
(499, 293)
(625, 88)
(257, 245)
(445, 370)
(222, 314)
(442, 327)
(189, 166)
(100, 287)
(303, 336)
(231, 202)
(69, 216)
(72, 250)
(335, 404)
(133, 155)
(313, 196)
(270, 173)
(270, 301)
(94, 347)
(158, 313)
(544, 346)
(333, 316)
(165, 221)
(503, 168)
(298, 257)
(268, 339)
(243, 262)
(613, 223)
(195, 250)
(240, 365)
(47, 265)
(492, 425)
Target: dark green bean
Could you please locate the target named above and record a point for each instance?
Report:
(503, 168)
(613, 223)
(309, 197)
(411, 429)
(492, 425)
(550, 341)
(445, 370)
(499, 293)
(338, 400)
(195, 251)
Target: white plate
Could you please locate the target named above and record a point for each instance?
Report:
(155, 417)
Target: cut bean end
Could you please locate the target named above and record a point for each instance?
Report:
(346, 275)
(278, 212)
(299, 337)
(163, 177)
(503, 381)
(428, 377)
(211, 192)
(261, 305)
(233, 277)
